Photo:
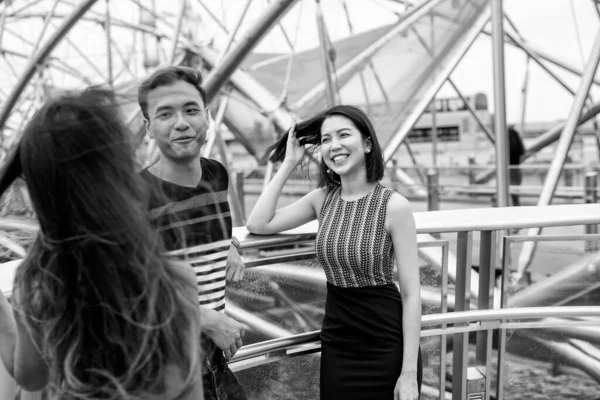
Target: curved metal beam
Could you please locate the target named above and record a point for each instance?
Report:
(40, 57)
(561, 151)
(452, 61)
(251, 88)
(113, 21)
(547, 57)
(362, 59)
(60, 64)
(232, 60)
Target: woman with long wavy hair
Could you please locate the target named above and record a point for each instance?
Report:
(99, 313)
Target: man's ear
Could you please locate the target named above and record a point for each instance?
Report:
(148, 131)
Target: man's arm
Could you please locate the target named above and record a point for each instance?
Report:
(235, 265)
(223, 330)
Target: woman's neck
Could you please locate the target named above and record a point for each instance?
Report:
(355, 186)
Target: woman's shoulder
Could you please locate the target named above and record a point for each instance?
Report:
(321, 192)
(317, 196)
(386, 190)
(390, 193)
(396, 204)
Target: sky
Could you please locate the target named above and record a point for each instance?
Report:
(552, 26)
(549, 25)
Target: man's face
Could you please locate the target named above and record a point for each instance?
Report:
(177, 120)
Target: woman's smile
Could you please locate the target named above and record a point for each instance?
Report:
(339, 158)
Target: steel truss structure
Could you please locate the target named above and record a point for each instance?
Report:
(47, 46)
(75, 44)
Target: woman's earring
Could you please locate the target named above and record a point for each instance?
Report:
(328, 171)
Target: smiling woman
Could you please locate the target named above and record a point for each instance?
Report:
(370, 334)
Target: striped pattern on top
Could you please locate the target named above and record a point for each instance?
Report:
(200, 200)
(352, 244)
(208, 262)
(195, 224)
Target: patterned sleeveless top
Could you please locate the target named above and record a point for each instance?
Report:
(352, 244)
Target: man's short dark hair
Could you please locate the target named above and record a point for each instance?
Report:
(168, 76)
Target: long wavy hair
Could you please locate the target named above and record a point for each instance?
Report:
(109, 312)
(308, 133)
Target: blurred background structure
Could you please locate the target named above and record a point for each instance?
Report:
(442, 80)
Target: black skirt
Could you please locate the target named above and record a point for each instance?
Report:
(362, 343)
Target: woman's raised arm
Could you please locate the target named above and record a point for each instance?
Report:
(265, 219)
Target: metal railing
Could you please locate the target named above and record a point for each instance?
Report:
(473, 290)
(452, 181)
(477, 305)
(456, 183)
(443, 325)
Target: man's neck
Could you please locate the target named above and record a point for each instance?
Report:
(179, 173)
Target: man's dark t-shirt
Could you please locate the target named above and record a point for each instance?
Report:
(195, 223)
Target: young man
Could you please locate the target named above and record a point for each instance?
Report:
(190, 208)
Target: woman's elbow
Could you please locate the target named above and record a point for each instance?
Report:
(252, 228)
(257, 228)
(411, 297)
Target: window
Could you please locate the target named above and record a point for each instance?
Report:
(454, 104)
(444, 134)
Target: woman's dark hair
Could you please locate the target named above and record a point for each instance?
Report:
(107, 309)
(308, 133)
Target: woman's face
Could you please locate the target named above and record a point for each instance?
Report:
(343, 147)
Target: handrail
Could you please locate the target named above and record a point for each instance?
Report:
(474, 219)
(455, 318)
(458, 317)
(269, 346)
(455, 325)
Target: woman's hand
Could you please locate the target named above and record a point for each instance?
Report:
(407, 387)
(294, 152)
